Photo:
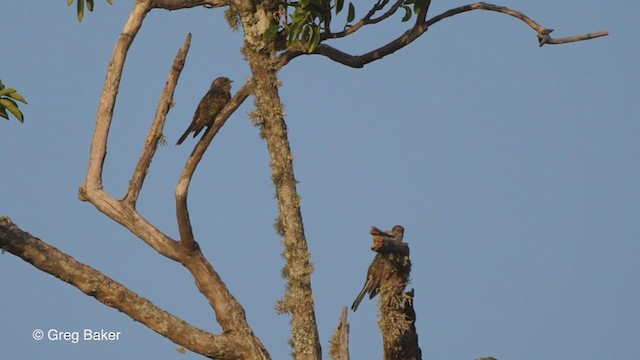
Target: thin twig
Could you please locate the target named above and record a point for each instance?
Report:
(366, 20)
(185, 4)
(575, 38)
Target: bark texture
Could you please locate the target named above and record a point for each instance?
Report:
(113, 294)
(269, 116)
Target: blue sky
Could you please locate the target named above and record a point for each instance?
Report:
(513, 168)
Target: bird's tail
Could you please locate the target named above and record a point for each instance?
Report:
(184, 136)
(358, 300)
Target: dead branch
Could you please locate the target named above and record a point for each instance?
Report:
(98, 153)
(182, 189)
(184, 4)
(543, 33)
(92, 189)
(229, 313)
(405, 345)
(155, 132)
(113, 294)
(420, 27)
(340, 339)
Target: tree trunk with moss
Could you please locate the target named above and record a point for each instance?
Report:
(269, 116)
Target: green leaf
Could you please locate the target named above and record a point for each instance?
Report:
(294, 32)
(271, 32)
(69, 2)
(352, 13)
(419, 5)
(301, 15)
(339, 6)
(315, 38)
(7, 91)
(305, 33)
(90, 5)
(80, 9)
(12, 107)
(407, 14)
(3, 113)
(17, 96)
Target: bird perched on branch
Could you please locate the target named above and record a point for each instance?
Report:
(372, 285)
(209, 107)
(378, 269)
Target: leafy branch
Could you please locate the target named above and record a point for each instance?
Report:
(8, 98)
(307, 23)
(420, 26)
(80, 6)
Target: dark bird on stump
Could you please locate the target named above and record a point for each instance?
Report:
(378, 268)
(209, 107)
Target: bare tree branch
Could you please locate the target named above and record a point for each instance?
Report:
(108, 97)
(155, 132)
(184, 4)
(569, 39)
(543, 33)
(113, 294)
(92, 189)
(229, 313)
(366, 20)
(420, 27)
(182, 189)
(340, 340)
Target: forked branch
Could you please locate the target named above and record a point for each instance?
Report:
(92, 190)
(229, 313)
(155, 132)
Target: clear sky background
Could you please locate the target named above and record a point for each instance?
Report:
(513, 168)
